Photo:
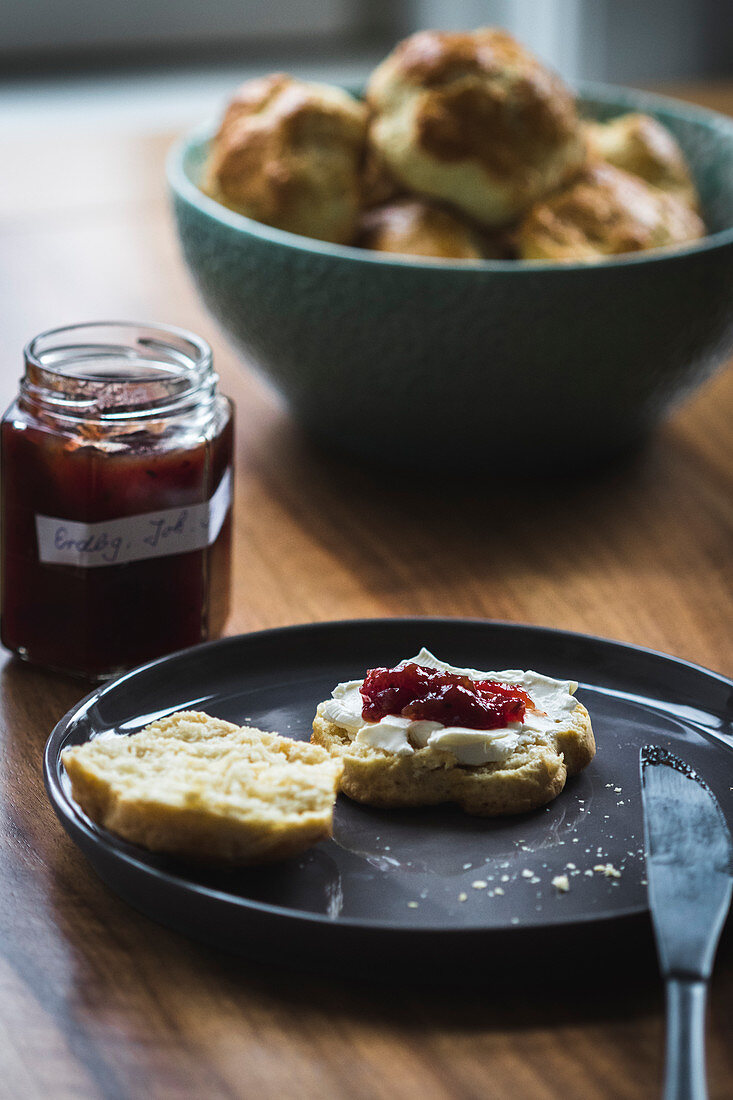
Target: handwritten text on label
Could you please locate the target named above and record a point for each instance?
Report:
(133, 538)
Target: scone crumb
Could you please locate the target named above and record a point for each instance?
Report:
(561, 883)
(479, 884)
(498, 890)
(608, 870)
(463, 896)
(526, 873)
(412, 905)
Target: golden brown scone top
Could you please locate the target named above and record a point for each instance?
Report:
(640, 144)
(604, 212)
(288, 154)
(416, 228)
(476, 120)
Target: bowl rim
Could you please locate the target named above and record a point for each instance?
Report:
(611, 95)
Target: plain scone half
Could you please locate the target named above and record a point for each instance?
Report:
(205, 789)
(533, 775)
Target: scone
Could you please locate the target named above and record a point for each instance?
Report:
(289, 154)
(417, 228)
(640, 144)
(605, 212)
(378, 185)
(204, 789)
(397, 752)
(475, 120)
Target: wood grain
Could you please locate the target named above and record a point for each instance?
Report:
(97, 1001)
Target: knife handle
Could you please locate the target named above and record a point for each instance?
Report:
(684, 1077)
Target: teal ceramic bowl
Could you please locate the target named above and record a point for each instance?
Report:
(474, 365)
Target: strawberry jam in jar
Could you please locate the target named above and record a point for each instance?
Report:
(116, 499)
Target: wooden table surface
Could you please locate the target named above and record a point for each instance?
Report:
(98, 1001)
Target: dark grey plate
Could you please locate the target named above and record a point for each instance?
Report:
(390, 884)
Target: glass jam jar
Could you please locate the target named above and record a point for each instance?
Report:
(116, 499)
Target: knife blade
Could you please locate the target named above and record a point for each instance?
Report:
(690, 881)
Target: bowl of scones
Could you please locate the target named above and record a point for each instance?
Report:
(467, 265)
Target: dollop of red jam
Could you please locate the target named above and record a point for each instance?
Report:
(416, 692)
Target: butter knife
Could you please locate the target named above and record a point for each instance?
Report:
(689, 858)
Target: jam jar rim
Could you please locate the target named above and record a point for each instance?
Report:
(190, 385)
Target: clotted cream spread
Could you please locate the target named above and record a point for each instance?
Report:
(553, 701)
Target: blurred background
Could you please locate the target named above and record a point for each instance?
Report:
(93, 92)
(163, 64)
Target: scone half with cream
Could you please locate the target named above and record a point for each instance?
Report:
(506, 744)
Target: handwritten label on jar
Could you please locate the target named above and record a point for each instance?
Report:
(133, 538)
